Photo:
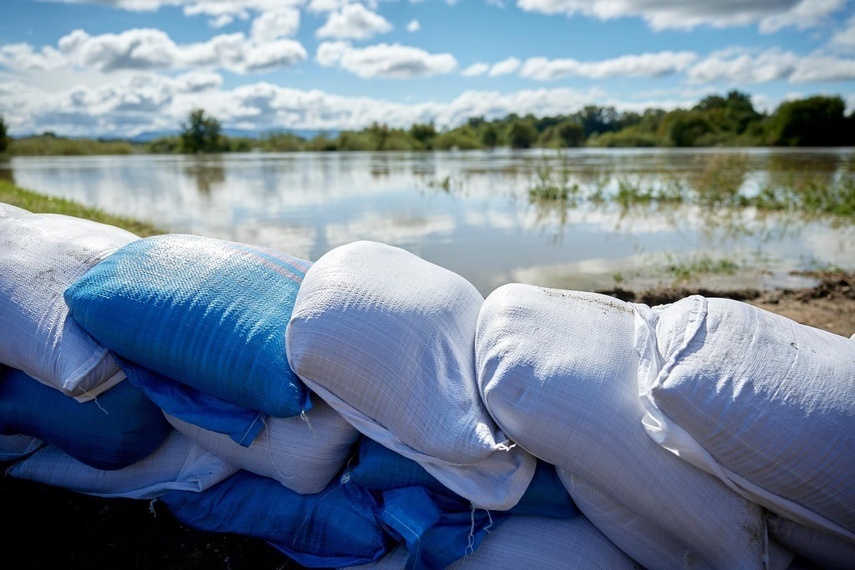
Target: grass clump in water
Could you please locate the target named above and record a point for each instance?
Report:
(702, 265)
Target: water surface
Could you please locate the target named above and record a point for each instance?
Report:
(472, 212)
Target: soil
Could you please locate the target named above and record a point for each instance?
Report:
(49, 527)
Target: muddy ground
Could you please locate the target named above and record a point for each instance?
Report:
(48, 527)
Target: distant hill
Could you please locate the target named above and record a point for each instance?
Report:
(241, 133)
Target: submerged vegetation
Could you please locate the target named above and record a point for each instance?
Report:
(715, 121)
(719, 181)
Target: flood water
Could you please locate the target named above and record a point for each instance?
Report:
(472, 212)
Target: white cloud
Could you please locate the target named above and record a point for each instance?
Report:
(22, 57)
(326, 5)
(330, 53)
(769, 15)
(198, 81)
(146, 101)
(505, 67)
(475, 69)
(384, 60)
(743, 66)
(414, 26)
(271, 26)
(641, 65)
(353, 22)
(137, 49)
(846, 36)
(150, 49)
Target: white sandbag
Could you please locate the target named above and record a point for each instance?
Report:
(558, 371)
(177, 465)
(10, 211)
(40, 256)
(826, 550)
(637, 536)
(386, 338)
(302, 453)
(16, 446)
(533, 542)
(762, 402)
(645, 542)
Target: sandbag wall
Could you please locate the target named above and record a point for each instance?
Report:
(412, 422)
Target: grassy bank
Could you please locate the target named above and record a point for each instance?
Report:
(35, 202)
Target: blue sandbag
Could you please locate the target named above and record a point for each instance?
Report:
(206, 312)
(120, 427)
(193, 406)
(335, 528)
(380, 469)
(435, 529)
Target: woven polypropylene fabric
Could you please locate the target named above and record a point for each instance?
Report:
(637, 536)
(41, 255)
(771, 401)
(532, 542)
(378, 468)
(304, 453)
(178, 464)
(10, 211)
(826, 550)
(558, 371)
(210, 313)
(121, 427)
(387, 338)
(321, 530)
(13, 447)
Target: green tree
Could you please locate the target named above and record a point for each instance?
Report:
(685, 128)
(522, 134)
(595, 119)
(4, 139)
(815, 121)
(424, 133)
(571, 133)
(490, 136)
(201, 133)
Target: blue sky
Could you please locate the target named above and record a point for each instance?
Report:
(121, 67)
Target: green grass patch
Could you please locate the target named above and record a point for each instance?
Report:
(49, 145)
(39, 203)
(702, 265)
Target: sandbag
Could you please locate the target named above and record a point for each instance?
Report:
(14, 447)
(533, 542)
(378, 468)
(558, 371)
(386, 338)
(762, 402)
(178, 464)
(40, 256)
(642, 540)
(322, 530)
(637, 535)
(303, 453)
(194, 406)
(828, 551)
(207, 312)
(10, 211)
(115, 430)
(435, 529)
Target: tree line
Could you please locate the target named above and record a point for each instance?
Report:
(716, 120)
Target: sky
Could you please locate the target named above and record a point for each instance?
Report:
(118, 68)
